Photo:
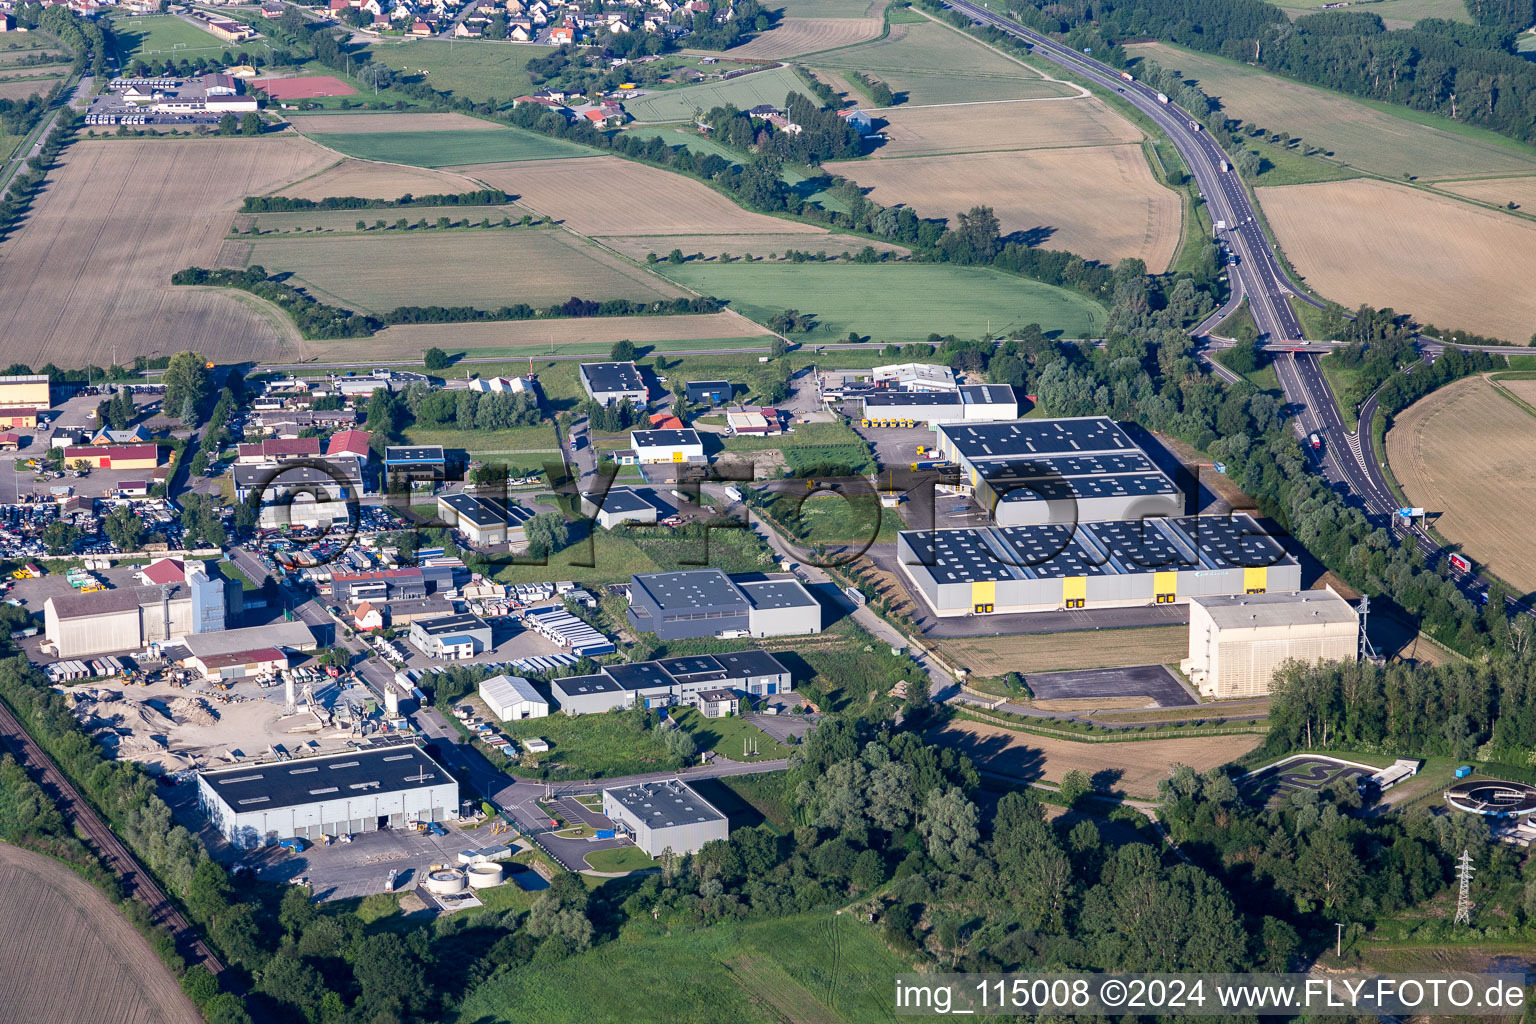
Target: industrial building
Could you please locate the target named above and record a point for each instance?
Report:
(1116, 564)
(452, 638)
(969, 403)
(1237, 641)
(316, 493)
(485, 521)
(28, 390)
(114, 456)
(220, 668)
(277, 449)
(611, 383)
(707, 602)
(130, 618)
(417, 462)
(619, 505)
(708, 392)
(405, 584)
(1082, 469)
(665, 815)
(653, 446)
(682, 680)
(915, 377)
(512, 698)
(283, 635)
(335, 794)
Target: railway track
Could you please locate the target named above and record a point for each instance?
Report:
(136, 881)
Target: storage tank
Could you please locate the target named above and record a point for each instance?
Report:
(484, 876)
(446, 882)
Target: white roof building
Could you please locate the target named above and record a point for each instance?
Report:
(512, 698)
(916, 376)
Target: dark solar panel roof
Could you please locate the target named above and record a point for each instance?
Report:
(1235, 541)
(578, 686)
(1129, 485)
(986, 394)
(1107, 464)
(1052, 551)
(958, 556)
(485, 512)
(1141, 544)
(331, 777)
(889, 398)
(693, 668)
(1016, 438)
(741, 664)
(641, 675)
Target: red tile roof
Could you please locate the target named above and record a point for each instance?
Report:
(167, 570)
(349, 442)
(114, 451)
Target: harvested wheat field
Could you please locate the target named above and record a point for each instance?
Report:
(1390, 245)
(90, 268)
(1100, 201)
(20, 90)
(1052, 652)
(1005, 125)
(605, 195)
(68, 955)
(1468, 454)
(1136, 766)
(467, 268)
(514, 337)
(638, 246)
(792, 37)
(1520, 190)
(368, 180)
(317, 124)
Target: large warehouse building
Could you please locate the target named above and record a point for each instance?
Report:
(28, 390)
(335, 794)
(1236, 642)
(683, 680)
(1094, 565)
(970, 402)
(665, 815)
(611, 383)
(130, 618)
(1083, 469)
(485, 521)
(707, 602)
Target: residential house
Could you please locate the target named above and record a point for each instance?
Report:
(366, 617)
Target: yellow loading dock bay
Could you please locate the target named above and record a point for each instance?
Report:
(1115, 564)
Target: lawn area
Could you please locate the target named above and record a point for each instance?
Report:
(482, 71)
(726, 736)
(768, 795)
(594, 746)
(818, 967)
(164, 35)
(1341, 381)
(914, 299)
(830, 518)
(745, 92)
(625, 858)
(451, 148)
(494, 445)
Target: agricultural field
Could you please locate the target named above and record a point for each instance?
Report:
(518, 338)
(447, 148)
(600, 196)
(990, 127)
(1133, 767)
(1467, 454)
(165, 35)
(933, 63)
(638, 246)
(480, 71)
(793, 37)
(1376, 139)
(315, 124)
(368, 180)
(816, 968)
(1393, 13)
(69, 954)
(1392, 245)
(900, 302)
(474, 268)
(1055, 652)
(21, 88)
(156, 206)
(1496, 191)
(769, 86)
(33, 71)
(1100, 202)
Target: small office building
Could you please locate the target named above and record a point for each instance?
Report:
(417, 462)
(970, 402)
(485, 521)
(665, 815)
(670, 681)
(512, 698)
(1237, 641)
(619, 505)
(611, 383)
(709, 392)
(452, 637)
(653, 446)
(333, 794)
(707, 602)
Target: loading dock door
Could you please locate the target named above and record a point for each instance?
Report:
(1256, 581)
(1165, 585)
(1074, 591)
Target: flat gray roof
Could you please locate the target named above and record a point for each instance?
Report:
(1280, 608)
(778, 594)
(450, 624)
(664, 438)
(613, 377)
(691, 589)
(308, 780)
(665, 804)
(621, 499)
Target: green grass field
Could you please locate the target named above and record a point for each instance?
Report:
(726, 736)
(165, 35)
(519, 446)
(480, 71)
(818, 967)
(930, 63)
(625, 858)
(822, 8)
(748, 91)
(450, 148)
(1374, 137)
(1390, 10)
(467, 267)
(895, 302)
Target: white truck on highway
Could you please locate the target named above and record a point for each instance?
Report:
(1162, 97)
(1225, 167)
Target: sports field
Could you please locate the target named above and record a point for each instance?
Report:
(607, 195)
(1133, 767)
(897, 302)
(165, 35)
(479, 71)
(1100, 201)
(1056, 652)
(816, 968)
(769, 86)
(1389, 141)
(380, 271)
(452, 147)
(90, 269)
(1467, 454)
(993, 127)
(1391, 245)
(70, 955)
(369, 180)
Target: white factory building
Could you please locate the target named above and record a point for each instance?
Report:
(512, 698)
(665, 815)
(334, 794)
(915, 377)
(132, 617)
(652, 446)
(970, 402)
(1236, 642)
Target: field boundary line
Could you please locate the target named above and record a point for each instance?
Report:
(1003, 53)
(1077, 737)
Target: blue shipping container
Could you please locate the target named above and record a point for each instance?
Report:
(1463, 771)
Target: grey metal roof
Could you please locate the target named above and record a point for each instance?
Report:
(640, 675)
(987, 394)
(663, 438)
(621, 499)
(486, 512)
(507, 689)
(958, 556)
(288, 475)
(1021, 438)
(414, 453)
(613, 377)
(579, 686)
(664, 804)
(310, 780)
(1279, 608)
(778, 594)
(691, 589)
(741, 664)
(450, 624)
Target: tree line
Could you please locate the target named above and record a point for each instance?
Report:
(289, 204)
(823, 135)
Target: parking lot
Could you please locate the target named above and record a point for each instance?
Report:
(1154, 682)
